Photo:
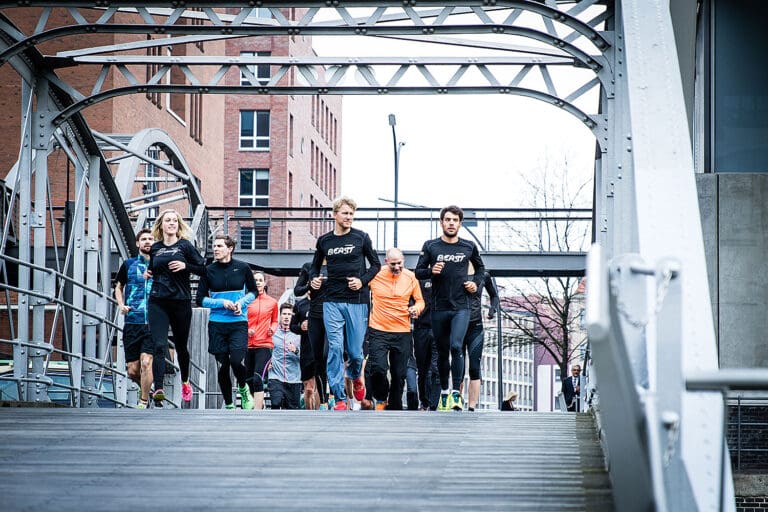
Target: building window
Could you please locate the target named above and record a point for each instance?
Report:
(152, 69)
(196, 117)
(261, 72)
(740, 104)
(254, 130)
(176, 103)
(290, 134)
(255, 236)
(254, 187)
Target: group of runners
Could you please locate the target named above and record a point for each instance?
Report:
(347, 342)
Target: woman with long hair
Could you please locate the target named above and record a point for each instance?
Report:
(171, 261)
(262, 324)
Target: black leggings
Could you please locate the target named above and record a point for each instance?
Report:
(230, 341)
(473, 346)
(236, 361)
(178, 315)
(316, 332)
(255, 361)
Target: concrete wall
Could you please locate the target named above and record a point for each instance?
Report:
(735, 224)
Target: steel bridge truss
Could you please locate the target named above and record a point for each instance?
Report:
(593, 59)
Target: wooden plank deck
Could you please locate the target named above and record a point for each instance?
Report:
(77, 459)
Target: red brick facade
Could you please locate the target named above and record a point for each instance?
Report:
(303, 159)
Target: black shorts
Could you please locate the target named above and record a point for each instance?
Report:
(227, 337)
(136, 340)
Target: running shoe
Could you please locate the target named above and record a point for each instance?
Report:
(159, 395)
(458, 402)
(341, 405)
(229, 406)
(323, 407)
(141, 405)
(246, 399)
(445, 403)
(186, 392)
(358, 386)
(381, 406)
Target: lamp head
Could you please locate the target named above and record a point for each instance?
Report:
(392, 120)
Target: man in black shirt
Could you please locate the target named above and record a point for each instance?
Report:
(445, 261)
(345, 251)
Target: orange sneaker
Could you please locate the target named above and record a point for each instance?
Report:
(358, 387)
(381, 406)
(341, 405)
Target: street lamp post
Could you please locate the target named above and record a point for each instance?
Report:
(396, 146)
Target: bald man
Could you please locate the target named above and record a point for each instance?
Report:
(395, 300)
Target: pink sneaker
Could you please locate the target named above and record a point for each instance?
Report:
(186, 392)
(358, 387)
(341, 405)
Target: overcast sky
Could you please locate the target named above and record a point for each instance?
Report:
(463, 149)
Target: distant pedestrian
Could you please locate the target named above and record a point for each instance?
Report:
(571, 388)
(445, 260)
(352, 263)
(227, 289)
(131, 294)
(285, 368)
(171, 261)
(509, 401)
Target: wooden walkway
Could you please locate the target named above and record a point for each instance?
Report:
(167, 460)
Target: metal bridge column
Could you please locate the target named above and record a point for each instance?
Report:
(24, 177)
(42, 280)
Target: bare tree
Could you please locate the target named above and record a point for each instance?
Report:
(547, 311)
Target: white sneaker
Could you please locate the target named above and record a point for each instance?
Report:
(356, 405)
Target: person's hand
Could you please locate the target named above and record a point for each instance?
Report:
(125, 309)
(270, 331)
(470, 286)
(438, 267)
(413, 312)
(238, 309)
(251, 332)
(292, 348)
(491, 314)
(305, 325)
(147, 274)
(316, 282)
(176, 266)
(354, 283)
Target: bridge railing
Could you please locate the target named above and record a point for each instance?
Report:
(494, 229)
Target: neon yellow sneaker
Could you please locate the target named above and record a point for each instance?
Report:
(445, 403)
(246, 400)
(457, 401)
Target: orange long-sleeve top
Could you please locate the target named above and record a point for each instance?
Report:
(390, 295)
(262, 320)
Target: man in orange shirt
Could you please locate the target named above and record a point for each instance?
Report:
(395, 300)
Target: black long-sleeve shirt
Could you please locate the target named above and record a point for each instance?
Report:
(316, 297)
(476, 313)
(173, 285)
(448, 292)
(346, 256)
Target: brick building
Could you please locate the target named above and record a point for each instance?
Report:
(244, 150)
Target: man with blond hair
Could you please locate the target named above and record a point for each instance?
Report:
(351, 262)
